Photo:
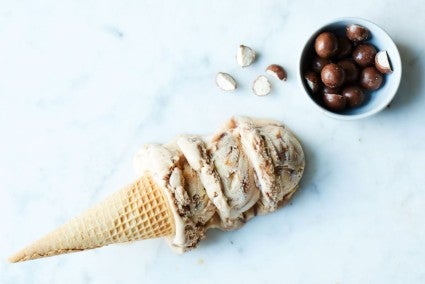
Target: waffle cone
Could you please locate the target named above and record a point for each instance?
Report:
(138, 211)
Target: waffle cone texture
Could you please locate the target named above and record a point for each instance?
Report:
(138, 211)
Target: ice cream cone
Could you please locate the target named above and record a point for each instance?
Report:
(138, 211)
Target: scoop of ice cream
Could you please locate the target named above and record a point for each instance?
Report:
(235, 172)
(248, 167)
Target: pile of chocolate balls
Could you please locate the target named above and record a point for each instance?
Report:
(344, 68)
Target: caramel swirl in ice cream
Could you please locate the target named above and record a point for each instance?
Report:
(248, 167)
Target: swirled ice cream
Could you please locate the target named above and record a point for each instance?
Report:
(248, 167)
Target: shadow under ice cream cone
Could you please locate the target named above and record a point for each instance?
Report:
(138, 211)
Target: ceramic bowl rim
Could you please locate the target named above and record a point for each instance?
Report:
(396, 62)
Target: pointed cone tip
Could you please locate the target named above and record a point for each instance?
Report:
(112, 221)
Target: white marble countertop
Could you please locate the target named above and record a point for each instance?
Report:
(84, 83)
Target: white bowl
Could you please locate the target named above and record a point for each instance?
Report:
(378, 99)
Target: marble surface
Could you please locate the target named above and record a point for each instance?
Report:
(84, 83)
